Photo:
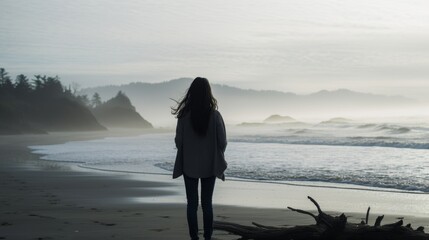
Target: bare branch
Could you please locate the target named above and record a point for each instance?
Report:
(304, 212)
(367, 215)
(378, 221)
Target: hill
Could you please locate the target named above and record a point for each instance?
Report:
(153, 101)
(120, 113)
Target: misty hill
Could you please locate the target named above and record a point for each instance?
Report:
(153, 101)
(42, 106)
(119, 112)
(278, 119)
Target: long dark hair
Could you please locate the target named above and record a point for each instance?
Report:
(199, 101)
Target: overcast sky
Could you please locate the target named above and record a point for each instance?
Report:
(301, 46)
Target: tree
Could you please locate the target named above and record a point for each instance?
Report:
(22, 86)
(6, 85)
(96, 100)
(53, 86)
(37, 82)
(3, 76)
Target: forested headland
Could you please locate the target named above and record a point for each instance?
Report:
(42, 104)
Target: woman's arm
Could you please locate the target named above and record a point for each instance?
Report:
(179, 134)
(221, 132)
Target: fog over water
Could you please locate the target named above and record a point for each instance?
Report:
(301, 46)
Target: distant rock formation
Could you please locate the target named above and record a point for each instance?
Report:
(279, 119)
(274, 120)
(337, 120)
(251, 124)
(118, 112)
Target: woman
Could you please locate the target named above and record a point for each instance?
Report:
(201, 142)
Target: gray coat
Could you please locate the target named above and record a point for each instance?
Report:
(200, 156)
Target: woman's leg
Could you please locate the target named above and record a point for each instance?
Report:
(207, 187)
(191, 185)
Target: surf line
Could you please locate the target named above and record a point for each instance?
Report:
(234, 179)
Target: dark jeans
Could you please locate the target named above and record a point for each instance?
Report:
(207, 187)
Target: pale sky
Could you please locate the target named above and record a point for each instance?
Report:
(302, 46)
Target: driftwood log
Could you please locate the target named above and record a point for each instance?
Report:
(326, 227)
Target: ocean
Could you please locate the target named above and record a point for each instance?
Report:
(376, 157)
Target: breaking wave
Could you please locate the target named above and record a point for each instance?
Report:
(378, 141)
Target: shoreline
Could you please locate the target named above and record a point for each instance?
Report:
(338, 197)
(46, 154)
(91, 204)
(309, 184)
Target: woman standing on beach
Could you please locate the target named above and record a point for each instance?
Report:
(201, 142)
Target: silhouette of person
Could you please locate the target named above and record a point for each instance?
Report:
(201, 142)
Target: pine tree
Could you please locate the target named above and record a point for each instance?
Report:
(96, 100)
(37, 82)
(6, 85)
(22, 86)
(3, 76)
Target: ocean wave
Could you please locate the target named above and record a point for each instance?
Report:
(400, 130)
(374, 180)
(368, 125)
(377, 141)
(393, 129)
(302, 131)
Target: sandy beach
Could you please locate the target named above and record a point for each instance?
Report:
(50, 200)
